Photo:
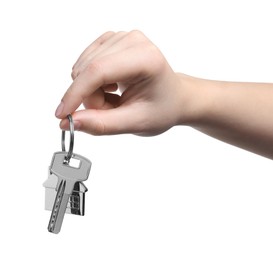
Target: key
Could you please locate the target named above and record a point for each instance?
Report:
(67, 177)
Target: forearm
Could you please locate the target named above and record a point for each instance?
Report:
(237, 113)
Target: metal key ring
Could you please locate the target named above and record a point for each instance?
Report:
(71, 144)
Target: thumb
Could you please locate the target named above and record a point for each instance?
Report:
(119, 120)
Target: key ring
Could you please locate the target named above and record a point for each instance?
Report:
(71, 144)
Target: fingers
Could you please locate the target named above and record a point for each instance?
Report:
(104, 122)
(129, 65)
(101, 47)
(94, 45)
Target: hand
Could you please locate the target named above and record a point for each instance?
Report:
(151, 92)
(153, 98)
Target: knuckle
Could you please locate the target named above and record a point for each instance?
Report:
(95, 69)
(74, 74)
(135, 36)
(104, 37)
(156, 60)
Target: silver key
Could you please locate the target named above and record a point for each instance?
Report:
(67, 177)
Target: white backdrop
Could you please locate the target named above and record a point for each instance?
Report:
(180, 195)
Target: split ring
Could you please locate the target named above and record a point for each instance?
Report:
(71, 144)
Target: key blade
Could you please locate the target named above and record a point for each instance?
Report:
(59, 208)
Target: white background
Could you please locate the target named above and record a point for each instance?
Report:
(180, 195)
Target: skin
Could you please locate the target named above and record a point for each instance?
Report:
(152, 97)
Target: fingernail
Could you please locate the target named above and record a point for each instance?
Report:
(59, 109)
(77, 125)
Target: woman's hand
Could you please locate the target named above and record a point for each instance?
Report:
(151, 96)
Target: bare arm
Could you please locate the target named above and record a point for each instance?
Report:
(236, 112)
(154, 98)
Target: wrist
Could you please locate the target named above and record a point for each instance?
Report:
(194, 100)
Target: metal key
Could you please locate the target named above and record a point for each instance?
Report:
(67, 177)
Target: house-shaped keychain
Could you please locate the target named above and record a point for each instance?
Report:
(76, 203)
